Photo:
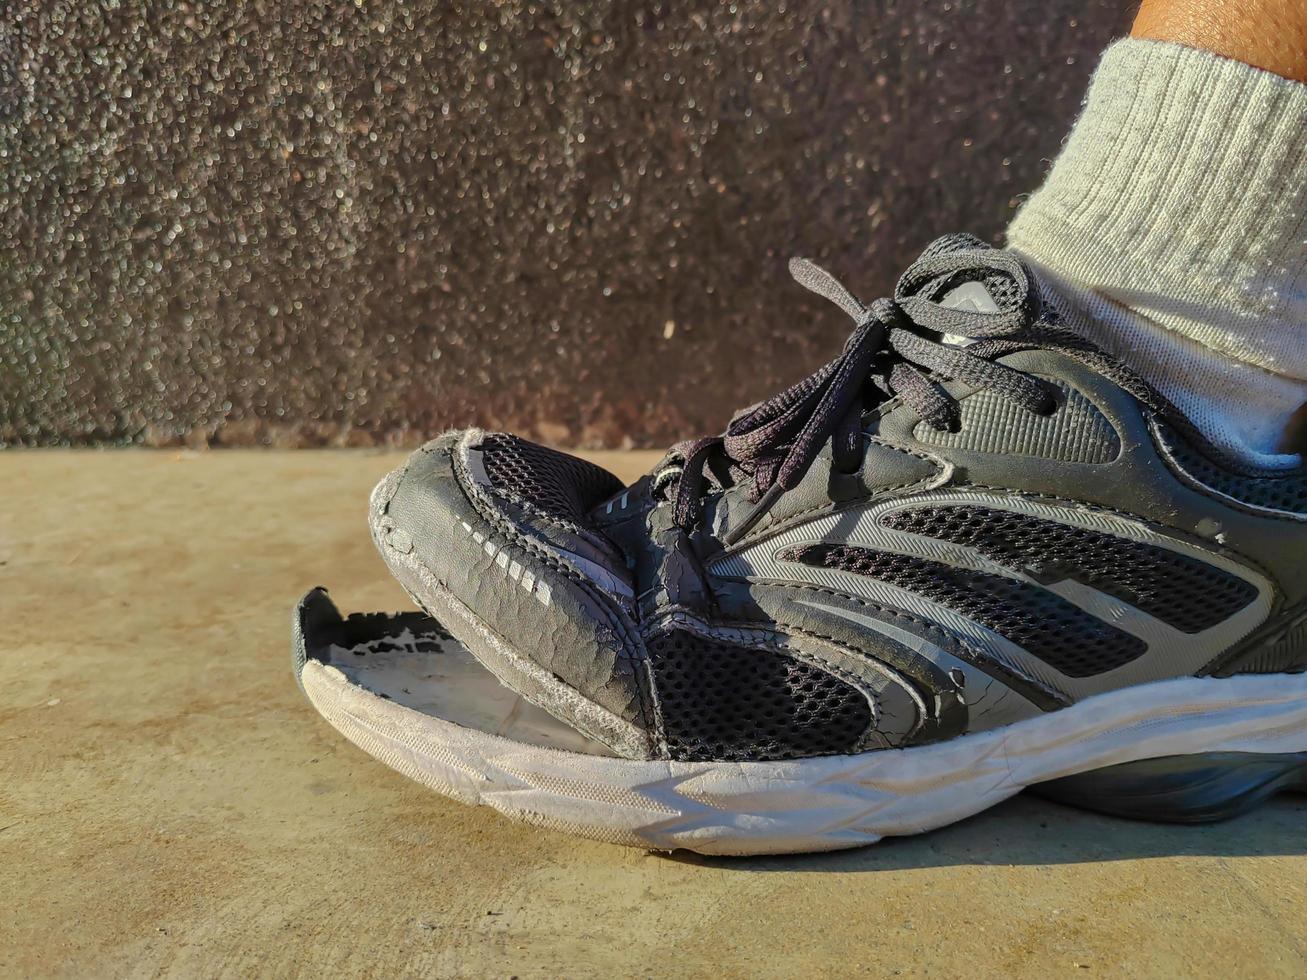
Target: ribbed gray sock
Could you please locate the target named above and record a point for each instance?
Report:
(1173, 228)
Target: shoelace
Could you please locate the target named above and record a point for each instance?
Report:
(776, 441)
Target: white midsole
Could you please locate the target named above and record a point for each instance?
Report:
(812, 804)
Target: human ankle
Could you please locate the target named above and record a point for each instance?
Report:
(1171, 228)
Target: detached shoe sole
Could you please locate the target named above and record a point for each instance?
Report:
(402, 689)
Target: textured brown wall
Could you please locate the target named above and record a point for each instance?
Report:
(301, 222)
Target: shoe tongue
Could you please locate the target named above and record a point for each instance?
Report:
(979, 290)
(972, 296)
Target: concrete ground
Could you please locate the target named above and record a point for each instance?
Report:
(170, 804)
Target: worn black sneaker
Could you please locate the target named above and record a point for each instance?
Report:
(970, 555)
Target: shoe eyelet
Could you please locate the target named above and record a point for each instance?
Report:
(1053, 404)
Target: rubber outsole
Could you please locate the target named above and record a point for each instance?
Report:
(1093, 750)
(1201, 788)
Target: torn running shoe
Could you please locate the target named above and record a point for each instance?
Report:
(972, 554)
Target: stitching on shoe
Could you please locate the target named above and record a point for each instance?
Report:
(942, 475)
(979, 658)
(504, 525)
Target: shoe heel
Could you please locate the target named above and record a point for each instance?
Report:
(1199, 788)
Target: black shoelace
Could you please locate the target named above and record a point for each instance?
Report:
(900, 347)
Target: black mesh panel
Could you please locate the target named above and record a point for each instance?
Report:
(1275, 491)
(1189, 594)
(732, 703)
(1062, 635)
(555, 483)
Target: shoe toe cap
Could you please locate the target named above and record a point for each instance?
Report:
(488, 533)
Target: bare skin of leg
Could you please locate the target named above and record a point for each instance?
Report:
(1268, 34)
